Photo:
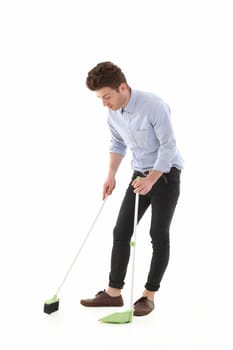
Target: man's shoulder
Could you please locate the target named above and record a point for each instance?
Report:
(148, 95)
(149, 98)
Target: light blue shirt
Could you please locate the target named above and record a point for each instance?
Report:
(144, 126)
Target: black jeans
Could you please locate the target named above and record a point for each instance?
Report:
(163, 199)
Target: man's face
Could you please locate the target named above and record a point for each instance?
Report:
(113, 99)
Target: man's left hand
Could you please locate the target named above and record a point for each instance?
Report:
(144, 184)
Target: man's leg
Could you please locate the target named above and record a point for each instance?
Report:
(122, 234)
(164, 196)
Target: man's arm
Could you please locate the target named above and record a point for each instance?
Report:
(110, 183)
(164, 132)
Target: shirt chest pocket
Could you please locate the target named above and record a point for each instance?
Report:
(145, 138)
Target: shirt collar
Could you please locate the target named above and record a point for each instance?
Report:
(129, 108)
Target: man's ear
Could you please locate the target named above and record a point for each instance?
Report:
(122, 87)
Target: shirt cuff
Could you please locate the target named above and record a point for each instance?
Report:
(117, 149)
(163, 166)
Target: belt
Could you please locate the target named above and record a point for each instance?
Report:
(141, 173)
(145, 173)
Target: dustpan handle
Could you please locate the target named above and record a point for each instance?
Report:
(133, 245)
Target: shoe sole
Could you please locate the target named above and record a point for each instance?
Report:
(100, 305)
(138, 313)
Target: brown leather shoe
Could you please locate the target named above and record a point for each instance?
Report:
(103, 299)
(143, 306)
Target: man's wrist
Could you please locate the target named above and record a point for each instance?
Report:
(111, 173)
(154, 175)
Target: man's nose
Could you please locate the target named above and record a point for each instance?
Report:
(105, 103)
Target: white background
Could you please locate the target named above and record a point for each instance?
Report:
(54, 157)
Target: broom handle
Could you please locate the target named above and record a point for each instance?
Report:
(81, 247)
(133, 244)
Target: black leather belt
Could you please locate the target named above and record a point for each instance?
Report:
(145, 173)
(142, 174)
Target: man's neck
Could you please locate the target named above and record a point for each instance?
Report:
(128, 95)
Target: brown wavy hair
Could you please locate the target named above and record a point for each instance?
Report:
(105, 74)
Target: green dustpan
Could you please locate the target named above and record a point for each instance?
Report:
(126, 316)
(118, 317)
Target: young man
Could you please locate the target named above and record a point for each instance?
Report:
(140, 121)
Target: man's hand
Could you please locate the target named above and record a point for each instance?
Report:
(109, 185)
(144, 184)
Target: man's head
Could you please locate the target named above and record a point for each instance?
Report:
(109, 83)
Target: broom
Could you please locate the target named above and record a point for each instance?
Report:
(51, 305)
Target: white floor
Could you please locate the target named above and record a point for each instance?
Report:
(178, 322)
